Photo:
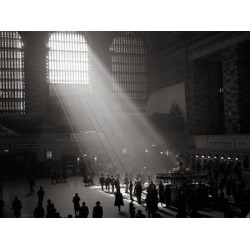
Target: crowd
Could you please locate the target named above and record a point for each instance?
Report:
(221, 191)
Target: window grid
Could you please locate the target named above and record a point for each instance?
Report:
(68, 59)
(130, 72)
(12, 87)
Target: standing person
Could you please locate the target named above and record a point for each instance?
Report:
(102, 181)
(107, 183)
(167, 195)
(131, 185)
(76, 201)
(50, 209)
(117, 184)
(132, 209)
(40, 194)
(161, 192)
(83, 211)
(126, 181)
(119, 200)
(112, 181)
(32, 184)
(39, 211)
(138, 191)
(97, 210)
(17, 206)
(1, 208)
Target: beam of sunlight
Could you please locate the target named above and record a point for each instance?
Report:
(127, 140)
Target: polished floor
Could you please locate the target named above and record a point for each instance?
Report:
(61, 194)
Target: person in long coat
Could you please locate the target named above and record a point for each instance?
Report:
(76, 201)
(17, 206)
(161, 192)
(119, 200)
(97, 210)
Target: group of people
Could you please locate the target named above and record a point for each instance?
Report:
(58, 176)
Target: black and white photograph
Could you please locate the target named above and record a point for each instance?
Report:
(112, 124)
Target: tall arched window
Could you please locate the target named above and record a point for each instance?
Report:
(130, 72)
(12, 86)
(68, 58)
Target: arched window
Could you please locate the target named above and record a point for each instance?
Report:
(130, 72)
(12, 86)
(68, 58)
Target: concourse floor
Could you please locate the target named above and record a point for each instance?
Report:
(61, 194)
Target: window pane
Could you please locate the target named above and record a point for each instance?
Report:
(129, 70)
(68, 58)
(12, 87)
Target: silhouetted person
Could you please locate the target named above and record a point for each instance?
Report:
(131, 185)
(167, 195)
(1, 208)
(102, 181)
(50, 209)
(107, 183)
(97, 210)
(132, 209)
(17, 206)
(32, 184)
(138, 191)
(39, 211)
(161, 192)
(119, 200)
(112, 182)
(76, 201)
(53, 177)
(83, 211)
(40, 194)
(140, 214)
(117, 184)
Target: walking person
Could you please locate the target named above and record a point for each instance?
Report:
(119, 200)
(102, 181)
(17, 206)
(76, 201)
(40, 194)
(97, 210)
(83, 211)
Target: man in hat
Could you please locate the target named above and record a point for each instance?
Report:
(97, 210)
(83, 211)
